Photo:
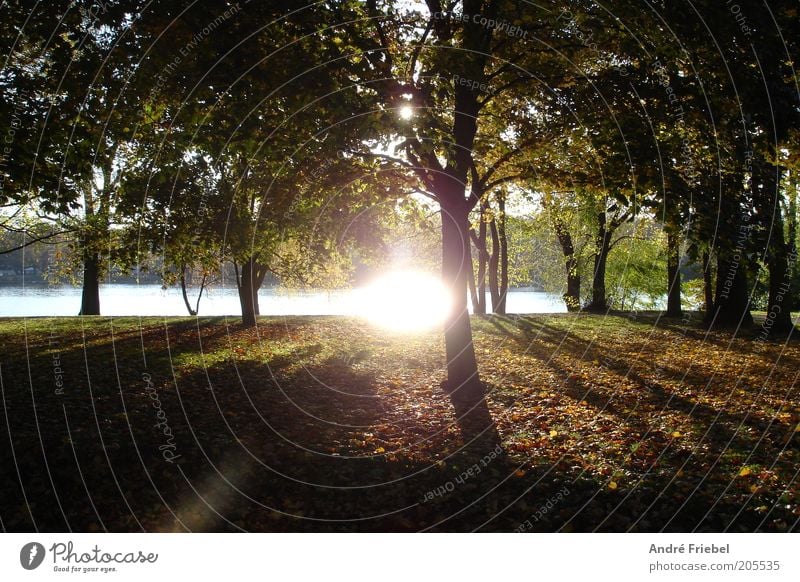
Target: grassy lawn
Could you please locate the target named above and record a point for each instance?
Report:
(329, 424)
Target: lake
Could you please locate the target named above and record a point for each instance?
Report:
(142, 300)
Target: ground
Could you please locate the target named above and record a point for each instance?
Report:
(615, 423)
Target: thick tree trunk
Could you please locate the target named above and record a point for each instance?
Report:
(779, 317)
(572, 298)
(252, 277)
(463, 384)
(90, 296)
(732, 297)
(501, 231)
(791, 243)
(599, 302)
(462, 367)
(673, 275)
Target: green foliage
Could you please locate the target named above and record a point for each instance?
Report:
(210, 132)
(637, 267)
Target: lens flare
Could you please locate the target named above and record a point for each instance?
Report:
(406, 112)
(405, 301)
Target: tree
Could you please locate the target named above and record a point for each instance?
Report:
(269, 122)
(80, 106)
(560, 214)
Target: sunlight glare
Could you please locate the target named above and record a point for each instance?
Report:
(406, 301)
(406, 112)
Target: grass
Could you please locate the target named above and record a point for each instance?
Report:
(609, 423)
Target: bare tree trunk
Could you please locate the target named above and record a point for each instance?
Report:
(462, 366)
(463, 384)
(473, 292)
(732, 297)
(673, 275)
(184, 293)
(572, 298)
(779, 317)
(791, 219)
(599, 302)
(90, 295)
(482, 259)
(200, 294)
(501, 231)
(252, 277)
(494, 262)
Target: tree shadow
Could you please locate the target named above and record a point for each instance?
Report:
(315, 438)
(746, 434)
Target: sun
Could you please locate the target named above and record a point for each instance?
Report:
(405, 301)
(406, 112)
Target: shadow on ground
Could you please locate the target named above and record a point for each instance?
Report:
(304, 425)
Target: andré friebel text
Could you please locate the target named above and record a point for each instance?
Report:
(690, 549)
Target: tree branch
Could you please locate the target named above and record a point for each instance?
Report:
(33, 241)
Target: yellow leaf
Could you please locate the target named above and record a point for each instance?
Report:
(380, 450)
(745, 472)
(676, 435)
(553, 433)
(612, 485)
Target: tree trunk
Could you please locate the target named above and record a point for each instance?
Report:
(463, 384)
(184, 293)
(708, 284)
(252, 277)
(573, 295)
(482, 259)
(200, 294)
(732, 297)
(673, 275)
(494, 262)
(90, 296)
(599, 302)
(572, 298)
(779, 317)
(791, 219)
(473, 292)
(501, 231)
